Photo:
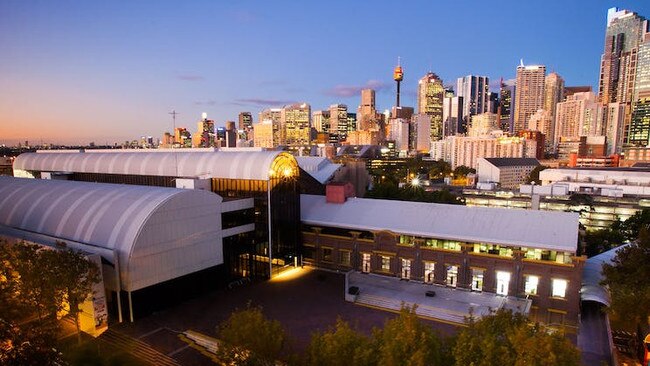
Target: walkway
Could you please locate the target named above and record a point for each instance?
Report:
(449, 305)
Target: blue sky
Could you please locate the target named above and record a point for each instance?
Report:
(106, 71)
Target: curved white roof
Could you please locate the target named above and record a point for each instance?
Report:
(519, 228)
(592, 275)
(213, 164)
(142, 224)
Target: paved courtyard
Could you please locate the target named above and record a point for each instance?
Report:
(448, 304)
(303, 300)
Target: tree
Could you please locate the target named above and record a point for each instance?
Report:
(251, 338)
(28, 345)
(462, 171)
(533, 176)
(405, 340)
(440, 169)
(506, 338)
(631, 227)
(627, 279)
(340, 346)
(76, 281)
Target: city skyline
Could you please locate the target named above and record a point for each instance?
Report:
(111, 72)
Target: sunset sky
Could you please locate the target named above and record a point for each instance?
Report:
(108, 71)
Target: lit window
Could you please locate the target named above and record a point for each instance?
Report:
(327, 254)
(559, 288)
(406, 268)
(429, 272)
(452, 275)
(345, 258)
(385, 263)
(477, 280)
(530, 286)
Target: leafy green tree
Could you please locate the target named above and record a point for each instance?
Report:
(506, 338)
(250, 338)
(627, 279)
(341, 345)
(599, 241)
(31, 345)
(439, 169)
(631, 227)
(75, 282)
(405, 340)
(533, 176)
(462, 171)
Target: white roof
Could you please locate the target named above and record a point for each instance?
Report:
(592, 274)
(519, 228)
(214, 164)
(144, 225)
(322, 169)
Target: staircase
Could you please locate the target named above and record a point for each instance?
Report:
(137, 348)
(423, 311)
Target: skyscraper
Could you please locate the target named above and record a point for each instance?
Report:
(320, 120)
(625, 31)
(431, 93)
(452, 116)
(475, 91)
(618, 66)
(553, 94)
(579, 115)
(367, 117)
(205, 132)
(529, 94)
(639, 134)
(338, 126)
(296, 124)
(245, 121)
(273, 115)
(506, 106)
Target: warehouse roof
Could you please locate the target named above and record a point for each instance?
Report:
(144, 225)
(520, 228)
(230, 164)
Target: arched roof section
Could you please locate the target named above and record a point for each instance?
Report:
(128, 219)
(256, 165)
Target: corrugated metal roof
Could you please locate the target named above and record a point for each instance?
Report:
(519, 228)
(592, 275)
(124, 218)
(215, 164)
(322, 169)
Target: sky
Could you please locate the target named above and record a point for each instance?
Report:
(73, 72)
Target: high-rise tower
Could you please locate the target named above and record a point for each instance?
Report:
(398, 76)
(529, 94)
(618, 67)
(431, 94)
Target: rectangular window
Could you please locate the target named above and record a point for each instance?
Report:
(530, 285)
(385, 263)
(477, 279)
(558, 288)
(452, 276)
(327, 254)
(365, 262)
(346, 257)
(406, 269)
(503, 283)
(429, 272)
(406, 240)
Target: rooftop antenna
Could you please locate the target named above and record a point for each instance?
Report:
(521, 62)
(174, 113)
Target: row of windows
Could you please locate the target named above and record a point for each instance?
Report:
(454, 245)
(503, 278)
